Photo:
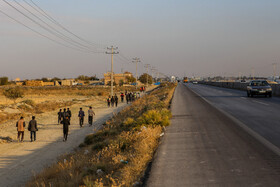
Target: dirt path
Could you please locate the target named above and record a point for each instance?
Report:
(19, 161)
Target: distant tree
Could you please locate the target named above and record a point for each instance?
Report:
(13, 93)
(4, 80)
(87, 78)
(45, 79)
(55, 79)
(144, 78)
(130, 79)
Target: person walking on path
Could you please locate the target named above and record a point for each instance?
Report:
(32, 127)
(90, 116)
(81, 117)
(109, 101)
(64, 114)
(122, 96)
(59, 115)
(112, 101)
(20, 128)
(127, 98)
(116, 100)
(66, 124)
(69, 114)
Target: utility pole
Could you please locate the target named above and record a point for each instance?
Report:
(274, 70)
(147, 66)
(153, 70)
(136, 60)
(112, 53)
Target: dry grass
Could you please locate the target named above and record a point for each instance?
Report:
(118, 154)
(43, 99)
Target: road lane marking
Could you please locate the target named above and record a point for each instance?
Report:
(261, 103)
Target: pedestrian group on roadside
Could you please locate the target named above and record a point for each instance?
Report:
(64, 118)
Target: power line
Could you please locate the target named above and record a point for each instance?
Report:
(42, 12)
(33, 30)
(53, 33)
(59, 33)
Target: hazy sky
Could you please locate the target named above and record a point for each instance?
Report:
(178, 37)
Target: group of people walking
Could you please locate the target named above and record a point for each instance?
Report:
(32, 127)
(129, 96)
(64, 118)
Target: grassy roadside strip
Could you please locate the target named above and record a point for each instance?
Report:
(118, 154)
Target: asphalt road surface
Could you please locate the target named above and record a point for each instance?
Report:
(260, 113)
(204, 147)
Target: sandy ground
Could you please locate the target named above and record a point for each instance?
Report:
(20, 161)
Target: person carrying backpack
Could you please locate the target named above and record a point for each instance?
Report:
(32, 127)
(69, 114)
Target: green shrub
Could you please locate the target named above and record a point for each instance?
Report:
(154, 118)
(13, 93)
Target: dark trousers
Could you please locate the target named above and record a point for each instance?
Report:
(109, 104)
(22, 135)
(112, 104)
(33, 134)
(59, 120)
(116, 104)
(65, 134)
(122, 99)
(81, 121)
(90, 120)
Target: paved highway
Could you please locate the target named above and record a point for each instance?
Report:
(204, 147)
(261, 114)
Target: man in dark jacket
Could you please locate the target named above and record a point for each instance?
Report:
(59, 115)
(66, 124)
(116, 100)
(32, 127)
(64, 114)
(69, 114)
(127, 98)
(109, 101)
(112, 101)
(122, 96)
(81, 117)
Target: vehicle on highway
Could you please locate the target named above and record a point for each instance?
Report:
(259, 87)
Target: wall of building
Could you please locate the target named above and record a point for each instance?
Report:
(117, 77)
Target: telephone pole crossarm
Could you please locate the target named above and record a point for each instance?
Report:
(112, 52)
(136, 61)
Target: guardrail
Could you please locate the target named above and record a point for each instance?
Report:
(240, 86)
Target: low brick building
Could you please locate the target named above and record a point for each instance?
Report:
(117, 77)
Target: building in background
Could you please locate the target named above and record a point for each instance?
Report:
(118, 78)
